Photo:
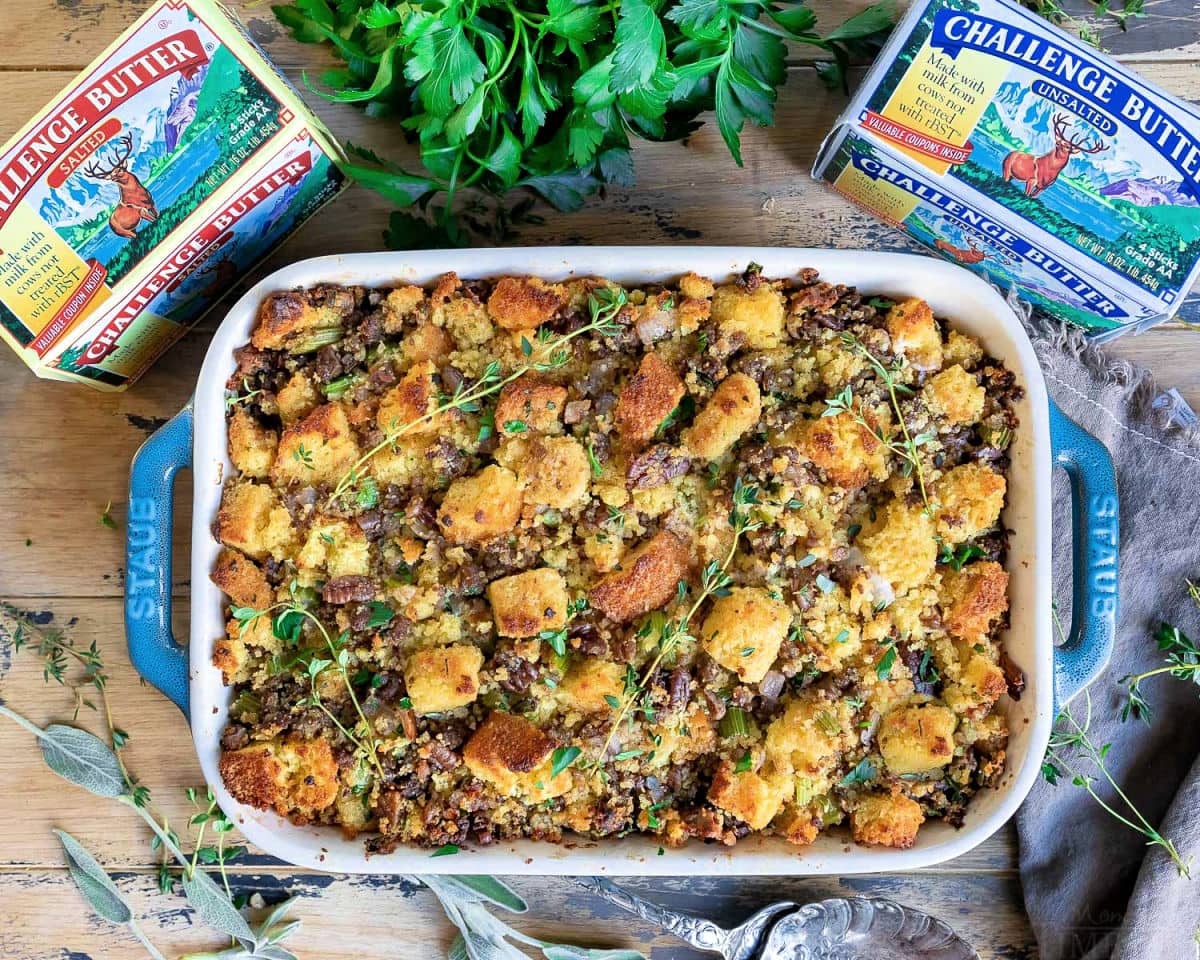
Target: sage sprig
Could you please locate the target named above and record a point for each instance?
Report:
(99, 890)
(483, 936)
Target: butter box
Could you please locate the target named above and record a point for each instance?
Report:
(138, 196)
(1003, 143)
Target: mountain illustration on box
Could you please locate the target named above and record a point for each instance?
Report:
(178, 142)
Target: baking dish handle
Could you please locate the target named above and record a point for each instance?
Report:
(152, 647)
(1095, 542)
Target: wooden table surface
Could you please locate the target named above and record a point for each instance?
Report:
(65, 453)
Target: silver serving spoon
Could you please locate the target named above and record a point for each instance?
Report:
(854, 928)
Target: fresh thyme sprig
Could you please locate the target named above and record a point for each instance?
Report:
(57, 650)
(715, 582)
(603, 306)
(1182, 655)
(286, 619)
(1070, 742)
(907, 448)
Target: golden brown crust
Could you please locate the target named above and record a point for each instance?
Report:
(296, 777)
(242, 580)
(481, 507)
(523, 303)
(746, 796)
(886, 820)
(734, 408)
(525, 604)
(529, 404)
(507, 741)
(917, 738)
(973, 599)
(318, 449)
(295, 320)
(443, 678)
(414, 397)
(646, 579)
(848, 452)
(915, 334)
(649, 396)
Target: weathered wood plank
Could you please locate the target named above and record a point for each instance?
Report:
(405, 921)
(66, 35)
(159, 751)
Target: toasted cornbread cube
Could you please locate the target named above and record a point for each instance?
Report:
(955, 395)
(961, 349)
(808, 735)
(298, 398)
(414, 397)
(756, 314)
(301, 321)
(321, 448)
(482, 506)
(798, 826)
(336, 547)
(979, 686)
(646, 400)
(231, 652)
(404, 304)
(443, 678)
(899, 546)
(848, 452)
(523, 303)
(297, 778)
(734, 408)
(968, 501)
(694, 285)
(252, 519)
(530, 404)
(525, 604)
(886, 820)
(678, 739)
(915, 333)
(465, 319)
(917, 738)
(645, 580)
(974, 598)
(426, 342)
(242, 580)
(746, 796)
(514, 756)
(589, 682)
(744, 630)
(251, 445)
(554, 471)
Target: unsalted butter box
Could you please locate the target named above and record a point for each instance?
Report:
(1003, 143)
(135, 199)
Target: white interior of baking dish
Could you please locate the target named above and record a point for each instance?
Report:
(955, 294)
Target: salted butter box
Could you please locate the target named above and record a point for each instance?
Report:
(137, 197)
(1007, 145)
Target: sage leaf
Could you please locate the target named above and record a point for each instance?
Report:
(458, 949)
(93, 882)
(83, 759)
(215, 909)
(558, 951)
(491, 890)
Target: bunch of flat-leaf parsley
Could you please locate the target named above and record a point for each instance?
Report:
(546, 95)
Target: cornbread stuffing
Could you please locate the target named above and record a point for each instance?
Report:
(510, 558)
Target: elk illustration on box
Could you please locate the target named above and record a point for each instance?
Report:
(136, 203)
(1039, 172)
(970, 254)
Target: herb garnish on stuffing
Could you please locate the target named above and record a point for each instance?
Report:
(509, 558)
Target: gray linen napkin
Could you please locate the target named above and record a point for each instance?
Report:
(1093, 889)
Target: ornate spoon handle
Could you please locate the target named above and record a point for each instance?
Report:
(700, 933)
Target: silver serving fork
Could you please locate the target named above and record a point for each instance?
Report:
(853, 928)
